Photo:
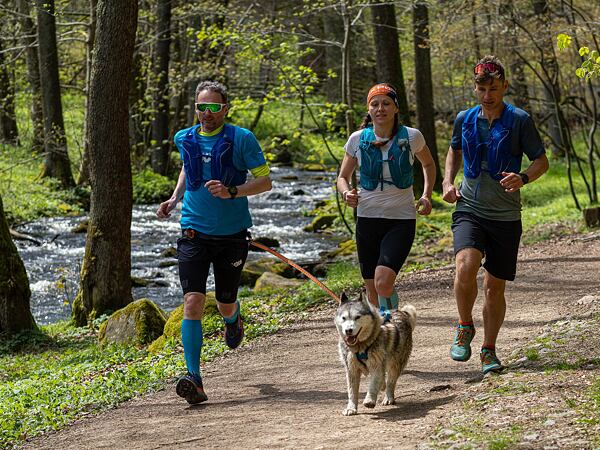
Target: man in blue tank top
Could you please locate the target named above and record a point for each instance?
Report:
(488, 141)
(215, 219)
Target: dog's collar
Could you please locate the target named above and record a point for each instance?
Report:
(361, 356)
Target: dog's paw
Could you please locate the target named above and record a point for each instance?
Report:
(349, 412)
(369, 403)
(388, 401)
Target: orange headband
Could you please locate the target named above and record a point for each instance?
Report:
(381, 89)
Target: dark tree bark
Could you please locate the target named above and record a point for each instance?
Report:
(389, 63)
(84, 169)
(56, 164)
(333, 29)
(33, 75)
(552, 91)
(106, 270)
(160, 124)
(15, 313)
(424, 91)
(8, 122)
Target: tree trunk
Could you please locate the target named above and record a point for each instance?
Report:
(389, 63)
(15, 314)
(56, 164)
(33, 75)
(84, 169)
(424, 91)
(8, 121)
(106, 270)
(549, 64)
(160, 124)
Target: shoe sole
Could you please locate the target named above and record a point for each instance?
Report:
(494, 370)
(187, 389)
(460, 359)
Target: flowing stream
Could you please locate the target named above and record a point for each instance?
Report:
(53, 267)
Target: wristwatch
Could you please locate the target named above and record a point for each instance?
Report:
(524, 178)
(233, 191)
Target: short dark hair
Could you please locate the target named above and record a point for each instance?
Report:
(488, 68)
(213, 86)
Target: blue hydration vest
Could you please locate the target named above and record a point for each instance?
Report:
(500, 156)
(400, 160)
(221, 163)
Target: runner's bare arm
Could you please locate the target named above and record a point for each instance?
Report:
(343, 182)
(165, 208)
(453, 164)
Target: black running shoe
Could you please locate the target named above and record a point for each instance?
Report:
(234, 333)
(190, 388)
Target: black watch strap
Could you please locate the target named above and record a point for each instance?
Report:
(524, 177)
(233, 191)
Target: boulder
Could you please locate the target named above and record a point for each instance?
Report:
(139, 323)
(265, 240)
(321, 222)
(169, 252)
(269, 280)
(81, 227)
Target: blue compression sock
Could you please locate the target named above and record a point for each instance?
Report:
(390, 302)
(191, 337)
(233, 319)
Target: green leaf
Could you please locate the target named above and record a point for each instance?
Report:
(583, 51)
(580, 72)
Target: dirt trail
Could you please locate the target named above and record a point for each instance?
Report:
(288, 390)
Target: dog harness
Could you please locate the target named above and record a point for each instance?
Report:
(499, 155)
(221, 160)
(400, 161)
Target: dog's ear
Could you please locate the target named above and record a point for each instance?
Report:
(363, 298)
(344, 298)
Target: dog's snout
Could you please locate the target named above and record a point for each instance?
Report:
(349, 331)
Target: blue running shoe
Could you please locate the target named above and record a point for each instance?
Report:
(234, 333)
(190, 387)
(386, 314)
(489, 361)
(461, 349)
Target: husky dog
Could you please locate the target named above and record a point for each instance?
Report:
(368, 345)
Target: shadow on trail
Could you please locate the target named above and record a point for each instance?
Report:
(408, 410)
(435, 376)
(268, 393)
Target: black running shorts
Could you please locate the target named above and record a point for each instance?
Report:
(383, 242)
(227, 254)
(498, 241)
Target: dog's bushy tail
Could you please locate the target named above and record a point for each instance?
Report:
(411, 312)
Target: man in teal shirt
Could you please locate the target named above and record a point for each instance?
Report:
(214, 220)
(488, 141)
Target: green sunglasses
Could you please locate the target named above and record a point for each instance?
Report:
(212, 107)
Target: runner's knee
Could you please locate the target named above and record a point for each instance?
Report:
(193, 305)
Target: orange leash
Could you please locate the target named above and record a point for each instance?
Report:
(297, 267)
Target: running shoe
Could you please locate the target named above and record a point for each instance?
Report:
(489, 361)
(234, 333)
(190, 387)
(461, 349)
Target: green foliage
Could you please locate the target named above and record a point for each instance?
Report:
(590, 67)
(150, 187)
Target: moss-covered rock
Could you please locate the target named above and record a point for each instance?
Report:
(269, 280)
(321, 222)
(169, 252)
(81, 227)
(344, 249)
(139, 323)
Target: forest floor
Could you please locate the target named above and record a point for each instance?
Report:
(288, 390)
